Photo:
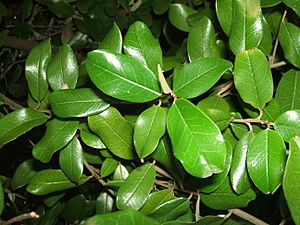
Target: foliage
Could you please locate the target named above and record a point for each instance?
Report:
(150, 112)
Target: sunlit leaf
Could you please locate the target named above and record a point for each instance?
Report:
(108, 167)
(178, 14)
(113, 40)
(224, 13)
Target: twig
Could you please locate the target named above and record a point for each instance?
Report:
(226, 87)
(283, 221)
(276, 65)
(197, 211)
(18, 43)
(12, 104)
(166, 185)
(162, 172)
(20, 218)
(253, 120)
(246, 216)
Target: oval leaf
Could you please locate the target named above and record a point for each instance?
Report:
(149, 128)
(113, 40)
(19, 122)
(114, 131)
(104, 203)
(36, 69)
(266, 160)
(200, 148)
(178, 14)
(199, 76)
(80, 102)
(63, 69)
(122, 76)
(134, 192)
(108, 167)
(294, 4)
(60, 8)
(91, 139)
(253, 78)
(58, 134)
(224, 14)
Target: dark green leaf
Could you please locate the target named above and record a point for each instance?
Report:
(149, 128)
(197, 141)
(93, 157)
(91, 139)
(49, 180)
(287, 124)
(104, 203)
(248, 25)
(274, 21)
(114, 131)
(62, 72)
(291, 179)
(36, 69)
(266, 43)
(61, 8)
(224, 13)
(134, 192)
(253, 78)
(122, 76)
(269, 3)
(140, 44)
(1, 198)
(294, 4)
(113, 40)
(199, 76)
(19, 122)
(58, 134)
(53, 199)
(178, 14)
(51, 216)
(161, 6)
(80, 102)
(108, 167)
(289, 34)
(288, 91)
(71, 160)
(26, 9)
(266, 160)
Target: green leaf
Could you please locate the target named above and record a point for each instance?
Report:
(248, 27)
(1, 198)
(26, 9)
(294, 4)
(239, 176)
(51, 215)
(36, 69)
(287, 124)
(58, 134)
(178, 14)
(122, 76)
(121, 173)
(289, 35)
(114, 131)
(199, 76)
(253, 78)
(71, 160)
(60, 8)
(80, 102)
(49, 181)
(291, 179)
(269, 3)
(161, 6)
(23, 174)
(104, 203)
(62, 72)
(274, 21)
(92, 157)
(171, 209)
(201, 42)
(140, 44)
(197, 141)
(266, 43)
(288, 91)
(91, 139)
(112, 40)
(226, 198)
(134, 192)
(108, 167)
(271, 111)
(156, 199)
(19, 122)
(149, 128)
(127, 216)
(266, 160)
(53, 199)
(224, 13)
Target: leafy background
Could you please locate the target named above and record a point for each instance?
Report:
(150, 112)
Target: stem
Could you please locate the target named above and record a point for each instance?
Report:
(276, 65)
(162, 172)
(226, 87)
(246, 216)
(12, 104)
(282, 222)
(20, 218)
(251, 120)
(197, 211)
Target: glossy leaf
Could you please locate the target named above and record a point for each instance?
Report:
(266, 160)
(253, 78)
(287, 124)
(91, 139)
(291, 179)
(294, 4)
(269, 3)
(155, 200)
(58, 134)
(178, 14)
(289, 35)
(80, 102)
(62, 72)
(134, 192)
(248, 27)
(226, 198)
(104, 203)
(201, 42)
(122, 76)
(121, 173)
(49, 181)
(288, 91)
(224, 13)
(266, 43)
(140, 44)
(61, 8)
(197, 142)
(19, 122)
(36, 69)
(112, 40)
(199, 76)
(171, 209)
(115, 132)
(71, 160)
(149, 128)
(239, 176)
(161, 6)
(108, 167)
(127, 216)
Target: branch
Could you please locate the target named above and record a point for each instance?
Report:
(20, 218)
(246, 216)
(18, 43)
(251, 120)
(276, 65)
(12, 104)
